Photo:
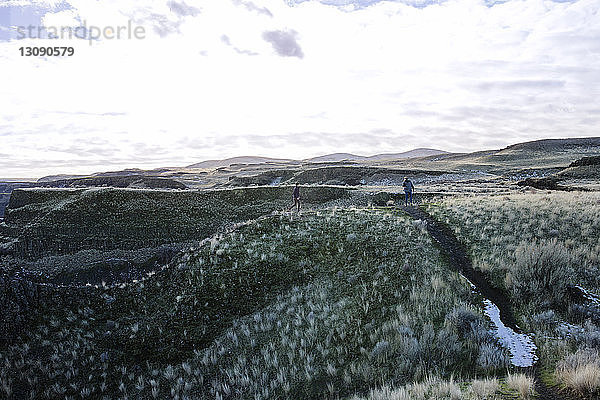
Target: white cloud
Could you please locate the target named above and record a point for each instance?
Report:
(459, 75)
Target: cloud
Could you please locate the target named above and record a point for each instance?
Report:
(15, 14)
(162, 22)
(245, 52)
(523, 84)
(250, 6)
(352, 5)
(183, 9)
(103, 114)
(225, 39)
(284, 43)
(378, 76)
(162, 25)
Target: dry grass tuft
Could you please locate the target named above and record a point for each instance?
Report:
(435, 388)
(522, 384)
(580, 372)
(484, 388)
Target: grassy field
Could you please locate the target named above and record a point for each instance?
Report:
(120, 293)
(542, 249)
(63, 221)
(327, 305)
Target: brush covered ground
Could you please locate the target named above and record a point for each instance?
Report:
(62, 221)
(326, 305)
(335, 303)
(543, 250)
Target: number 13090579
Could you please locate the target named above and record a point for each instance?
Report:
(47, 51)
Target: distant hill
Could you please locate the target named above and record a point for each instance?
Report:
(554, 144)
(117, 181)
(335, 157)
(51, 178)
(420, 152)
(65, 177)
(239, 160)
(539, 154)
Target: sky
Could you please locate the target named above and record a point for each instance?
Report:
(213, 79)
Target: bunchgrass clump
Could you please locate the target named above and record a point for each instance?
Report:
(435, 388)
(523, 385)
(580, 372)
(540, 274)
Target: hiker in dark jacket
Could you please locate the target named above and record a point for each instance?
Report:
(408, 191)
(296, 197)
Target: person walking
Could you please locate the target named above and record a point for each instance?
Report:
(408, 191)
(296, 197)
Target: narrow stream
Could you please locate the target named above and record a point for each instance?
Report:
(520, 346)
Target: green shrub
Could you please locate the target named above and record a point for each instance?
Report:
(541, 274)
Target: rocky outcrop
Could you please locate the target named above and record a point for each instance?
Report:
(355, 176)
(549, 183)
(6, 188)
(135, 181)
(586, 161)
(24, 298)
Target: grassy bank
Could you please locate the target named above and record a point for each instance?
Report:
(60, 221)
(331, 304)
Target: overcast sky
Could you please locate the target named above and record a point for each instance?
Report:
(294, 79)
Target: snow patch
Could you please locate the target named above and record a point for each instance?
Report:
(592, 298)
(520, 346)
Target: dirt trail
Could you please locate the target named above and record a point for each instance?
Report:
(458, 258)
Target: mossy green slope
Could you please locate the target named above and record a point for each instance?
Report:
(326, 305)
(63, 221)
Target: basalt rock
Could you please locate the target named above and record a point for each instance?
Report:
(549, 183)
(585, 161)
